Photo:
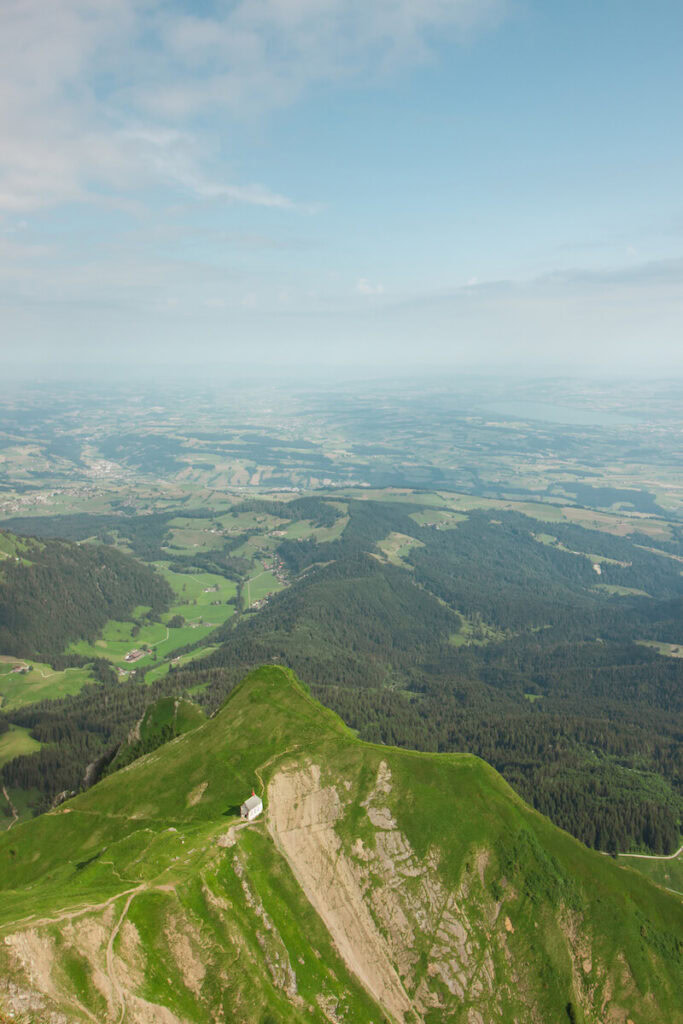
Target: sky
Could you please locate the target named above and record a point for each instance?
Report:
(346, 184)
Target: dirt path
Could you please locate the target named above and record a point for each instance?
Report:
(229, 838)
(69, 915)
(163, 641)
(275, 757)
(111, 965)
(121, 994)
(655, 856)
(15, 816)
(301, 818)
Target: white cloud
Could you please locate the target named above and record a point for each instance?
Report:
(259, 54)
(365, 287)
(99, 95)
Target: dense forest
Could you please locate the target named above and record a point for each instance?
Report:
(553, 691)
(81, 734)
(56, 592)
(491, 637)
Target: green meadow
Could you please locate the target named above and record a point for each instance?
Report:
(240, 522)
(438, 518)
(37, 681)
(395, 546)
(303, 529)
(199, 595)
(201, 600)
(668, 650)
(188, 536)
(616, 591)
(16, 741)
(184, 659)
(259, 586)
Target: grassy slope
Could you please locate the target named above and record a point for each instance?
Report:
(42, 682)
(163, 720)
(16, 741)
(155, 825)
(665, 871)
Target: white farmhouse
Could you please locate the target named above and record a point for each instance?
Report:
(252, 807)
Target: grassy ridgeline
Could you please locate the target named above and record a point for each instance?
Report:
(533, 925)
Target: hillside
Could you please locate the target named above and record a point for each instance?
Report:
(544, 643)
(162, 721)
(52, 592)
(381, 885)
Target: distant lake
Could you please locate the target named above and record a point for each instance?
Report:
(551, 413)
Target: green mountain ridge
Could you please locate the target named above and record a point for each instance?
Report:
(381, 884)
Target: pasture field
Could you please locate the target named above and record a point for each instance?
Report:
(620, 524)
(198, 590)
(160, 640)
(475, 632)
(240, 522)
(438, 518)
(123, 633)
(617, 591)
(117, 640)
(304, 529)
(162, 670)
(16, 741)
(549, 540)
(7, 546)
(201, 600)
(323, 534)
(255, 547)
(389, 494)
(188, 634)
(260, 586)
(186, 540)
(13, 548)
(604, 560)
(41, 682)
(396, 545)
(190, 586)
(301, 530)
(658, 551)
(668, 650)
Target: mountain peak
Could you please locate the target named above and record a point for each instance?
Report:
(379, 884)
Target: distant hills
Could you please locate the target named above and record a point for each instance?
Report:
(380, 885)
